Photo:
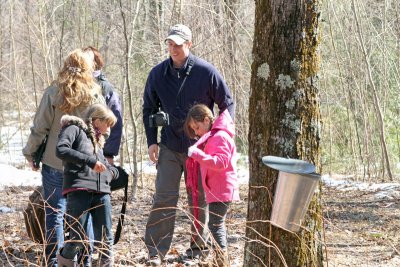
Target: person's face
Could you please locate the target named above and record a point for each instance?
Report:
(200, 127)
(101, 125)
(178, 53)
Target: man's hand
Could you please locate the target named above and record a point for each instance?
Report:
(153, 153)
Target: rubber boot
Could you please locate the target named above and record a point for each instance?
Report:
(63, 262)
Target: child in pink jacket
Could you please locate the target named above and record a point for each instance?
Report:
(215, 154)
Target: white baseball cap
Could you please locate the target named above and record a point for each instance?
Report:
(179, 33)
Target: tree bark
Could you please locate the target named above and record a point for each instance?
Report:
(284, 120)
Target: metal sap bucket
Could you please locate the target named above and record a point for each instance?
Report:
(296, 185)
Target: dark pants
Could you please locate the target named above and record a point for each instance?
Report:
(161, 221)
(79, 205)
(216, 223)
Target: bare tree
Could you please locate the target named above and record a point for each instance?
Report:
(377, 104)
(128, 49)
(364, 41)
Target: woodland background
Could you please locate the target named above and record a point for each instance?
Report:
(359, 77)
(359, 54)
(358, 88)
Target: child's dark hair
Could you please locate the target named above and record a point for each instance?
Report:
(197, 113)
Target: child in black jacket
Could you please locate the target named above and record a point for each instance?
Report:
(86, 184)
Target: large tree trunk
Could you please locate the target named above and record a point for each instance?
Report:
(284, 121)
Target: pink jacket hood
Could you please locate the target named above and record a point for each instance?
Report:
(224, 122)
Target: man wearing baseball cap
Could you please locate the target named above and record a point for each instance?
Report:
(172, 88)
(179, 34)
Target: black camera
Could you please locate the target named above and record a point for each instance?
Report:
(159, 119)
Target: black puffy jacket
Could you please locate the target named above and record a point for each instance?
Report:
(76, 150)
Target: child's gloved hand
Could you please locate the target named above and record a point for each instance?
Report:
(190, 150)
(99, 167)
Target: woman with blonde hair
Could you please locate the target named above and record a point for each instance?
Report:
(76, 86)
(71, 93)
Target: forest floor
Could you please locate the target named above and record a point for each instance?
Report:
(360, 230)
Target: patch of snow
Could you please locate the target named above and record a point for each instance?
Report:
(381, 190)
(243, 175)
(147, 167)
(11, 176)
(6, 210)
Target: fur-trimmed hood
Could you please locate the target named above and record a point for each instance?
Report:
(67, 120)
(78, 149)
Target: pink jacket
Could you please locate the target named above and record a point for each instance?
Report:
(217, 160)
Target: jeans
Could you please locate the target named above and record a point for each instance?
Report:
(52, 180)
(216, 223)
(81, 204)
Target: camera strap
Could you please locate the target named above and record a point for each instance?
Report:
(188, 70)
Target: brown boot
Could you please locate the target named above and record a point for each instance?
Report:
(221, 258)
(63, 262)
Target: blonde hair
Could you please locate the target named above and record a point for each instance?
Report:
(103, 113)
(75, 82)
(197, 113)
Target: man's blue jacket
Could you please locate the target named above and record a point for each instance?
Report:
(203, 85)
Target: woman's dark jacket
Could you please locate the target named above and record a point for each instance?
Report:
(113, 142)
(76, 150)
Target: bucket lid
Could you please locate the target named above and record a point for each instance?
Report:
(288, 165)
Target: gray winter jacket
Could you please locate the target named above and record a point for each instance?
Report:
(47, 122)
